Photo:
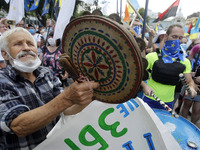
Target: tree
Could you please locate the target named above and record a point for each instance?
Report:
(142, 12)
(4, 7)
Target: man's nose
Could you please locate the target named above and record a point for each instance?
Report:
(25, 46)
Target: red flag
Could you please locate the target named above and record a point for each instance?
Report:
(190, 27)
(171, 11)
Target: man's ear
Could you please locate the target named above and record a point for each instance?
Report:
(4, 54)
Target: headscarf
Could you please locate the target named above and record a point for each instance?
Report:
(172, 51)
(194, 51)
(194, 54)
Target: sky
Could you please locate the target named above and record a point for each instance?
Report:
(188, 7)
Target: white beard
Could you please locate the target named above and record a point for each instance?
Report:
(27, 66)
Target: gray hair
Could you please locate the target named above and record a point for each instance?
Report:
(4, 40)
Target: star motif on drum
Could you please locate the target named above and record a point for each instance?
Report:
(96, 65)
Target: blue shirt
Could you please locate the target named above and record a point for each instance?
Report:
(19, 95)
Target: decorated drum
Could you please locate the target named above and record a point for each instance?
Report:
(105, 52)
(185, 133)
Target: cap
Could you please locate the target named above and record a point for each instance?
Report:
(158, 34)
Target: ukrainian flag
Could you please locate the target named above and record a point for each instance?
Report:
(195, 31)
(35, 5)
(46, 7)
(58, 1)
(135, 5)
(27, 5)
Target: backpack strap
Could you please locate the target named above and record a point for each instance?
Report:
(158, 53)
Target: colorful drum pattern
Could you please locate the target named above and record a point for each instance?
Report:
(105, 52)
(185, 133)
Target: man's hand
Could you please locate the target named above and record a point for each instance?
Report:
(80, 93)
(147, 90)
(193, 92)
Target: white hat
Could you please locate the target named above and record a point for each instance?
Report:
(159, 33)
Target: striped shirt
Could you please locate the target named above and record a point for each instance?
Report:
(19, 95)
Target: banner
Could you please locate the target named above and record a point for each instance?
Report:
(65, 13)
(127, 126)
(16, 10)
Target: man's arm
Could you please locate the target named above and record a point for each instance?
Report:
(31, 121)
(151, 36)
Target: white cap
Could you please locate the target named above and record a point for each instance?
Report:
(158, 34)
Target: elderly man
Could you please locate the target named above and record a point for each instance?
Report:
(31, 98)
(166, 65)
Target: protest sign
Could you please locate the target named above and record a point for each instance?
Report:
(130, 125)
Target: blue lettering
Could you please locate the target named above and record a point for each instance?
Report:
(148, 136)
(128, 145)
(123, 109)
(130, 105)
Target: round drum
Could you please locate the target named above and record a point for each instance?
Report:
(184, 132)
(105, 52)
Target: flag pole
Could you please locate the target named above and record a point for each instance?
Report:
(121, 9)
(48, 28)
(145, 18)
(148, 28)
(117, 8)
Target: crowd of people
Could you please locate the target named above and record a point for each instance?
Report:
(33, 85)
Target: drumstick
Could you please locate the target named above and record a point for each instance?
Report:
(66, 62)
(165, 105)
(183, 80)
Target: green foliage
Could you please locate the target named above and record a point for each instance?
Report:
(142, 12)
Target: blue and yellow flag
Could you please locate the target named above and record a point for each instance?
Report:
(185, 31)
(46, 7)
(171, 51)
(58, 2)
(135, 5)
(157, 25)
(35, 5)
(195, 31)
(27, 5)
